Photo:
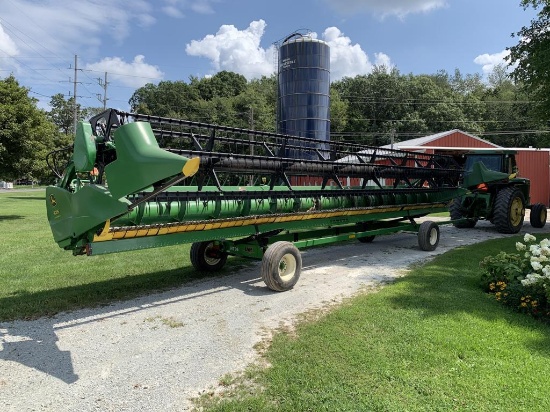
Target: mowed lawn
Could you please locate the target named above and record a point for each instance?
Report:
(37, 278)
(431, 341)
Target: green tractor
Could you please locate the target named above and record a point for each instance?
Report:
(495, 193)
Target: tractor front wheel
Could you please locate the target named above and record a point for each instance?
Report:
(538, 215)
(207, 256)
(281, 266)
(509, 210)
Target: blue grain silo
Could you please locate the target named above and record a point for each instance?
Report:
(304, 88)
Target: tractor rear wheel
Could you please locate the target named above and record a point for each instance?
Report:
(538, 215)
(509, 210)
(428, 236)
(207, 256)
(456, 212)
(281, 266)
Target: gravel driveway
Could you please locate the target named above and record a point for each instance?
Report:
(156, 352)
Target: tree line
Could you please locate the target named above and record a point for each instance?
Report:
(369, 109)
(509, 110)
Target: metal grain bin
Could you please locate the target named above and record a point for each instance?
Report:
(304, 90)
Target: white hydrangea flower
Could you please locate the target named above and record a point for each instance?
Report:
(529, 238)
(545, 242)
(546, 271)
(535, 250)
(536, 265)
(531, 279)
(526, 282)
(520, 246)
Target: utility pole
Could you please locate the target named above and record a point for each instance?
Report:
(103, 83)
(75, 108)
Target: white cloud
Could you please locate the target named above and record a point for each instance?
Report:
(347, 59)
(46, 34)
(175, 8)
(55, 30)
(399, 8)
(489, 61)
(173, 11)
(7, 45)
(382, 59)
(236, 50)
(134, 74)
(240, 51)
(203, 6)
(61, 25)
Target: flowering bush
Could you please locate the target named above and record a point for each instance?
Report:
(521, 280)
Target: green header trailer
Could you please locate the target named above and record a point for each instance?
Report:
(134, 181)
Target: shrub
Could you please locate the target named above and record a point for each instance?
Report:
(521, 280)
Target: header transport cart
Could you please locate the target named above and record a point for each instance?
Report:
(231, 191)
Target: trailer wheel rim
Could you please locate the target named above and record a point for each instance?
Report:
(210, 257)
(543, 214)
(287, 267)
(516, 211)
(433, 236)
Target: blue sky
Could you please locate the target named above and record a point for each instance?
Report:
(146, 41)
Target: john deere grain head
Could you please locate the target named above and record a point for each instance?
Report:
(134, 181)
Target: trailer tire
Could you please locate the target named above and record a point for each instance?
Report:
(366, 239)
(207, 256)
(281, 266)
(455, 210)
(509, 210)
(538, 215)
(428, 236)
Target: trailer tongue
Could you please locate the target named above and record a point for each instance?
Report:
(233, 191)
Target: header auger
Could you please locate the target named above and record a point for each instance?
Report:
(232, 191)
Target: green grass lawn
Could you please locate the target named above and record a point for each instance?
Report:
(439, 214)
(432, 341)
(38, 278)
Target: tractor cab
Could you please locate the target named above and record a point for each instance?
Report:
(503, 161)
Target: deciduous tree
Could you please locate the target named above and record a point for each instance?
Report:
(26, 134)
(531, 56)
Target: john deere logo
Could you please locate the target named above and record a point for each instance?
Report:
(53, 201)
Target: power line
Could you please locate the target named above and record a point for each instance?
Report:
(123, 74)
(12, 30)
(420, 101)
(27, 66)
(39, 94)
(40, 27)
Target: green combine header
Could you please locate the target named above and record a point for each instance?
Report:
(134, 181)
